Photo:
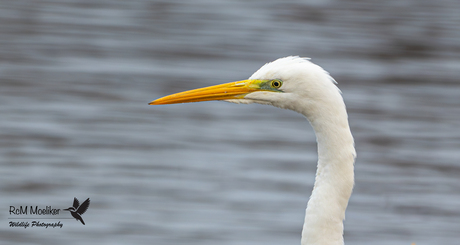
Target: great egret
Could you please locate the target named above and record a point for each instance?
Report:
(297, 84)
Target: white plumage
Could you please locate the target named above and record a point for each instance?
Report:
(297, 84)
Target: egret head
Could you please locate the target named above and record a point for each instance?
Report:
(290, 83)
(297, 84)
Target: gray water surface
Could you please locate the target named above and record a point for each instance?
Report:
(76, 77)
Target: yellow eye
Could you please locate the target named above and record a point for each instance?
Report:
(276, 83)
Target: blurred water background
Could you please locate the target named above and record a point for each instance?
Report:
(76, 77)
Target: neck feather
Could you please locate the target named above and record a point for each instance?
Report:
(334, 177)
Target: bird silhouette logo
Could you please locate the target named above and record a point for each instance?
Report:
(77, 210)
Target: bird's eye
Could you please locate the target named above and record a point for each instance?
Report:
(276, 83)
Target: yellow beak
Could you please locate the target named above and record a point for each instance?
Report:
(226, 91)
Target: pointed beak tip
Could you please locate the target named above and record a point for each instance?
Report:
(154, 102)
